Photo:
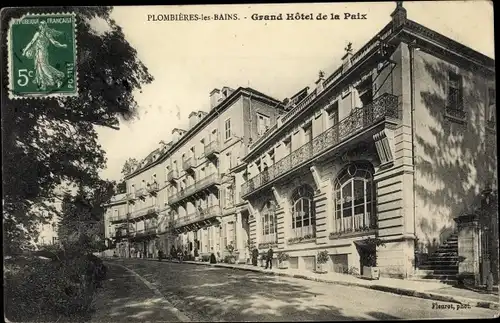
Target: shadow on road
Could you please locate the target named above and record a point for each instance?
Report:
(125, 298)
(214, 294)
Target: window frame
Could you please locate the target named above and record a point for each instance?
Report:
(303, 212)
(348, 179)
(227, 130)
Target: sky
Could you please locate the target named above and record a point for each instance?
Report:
(188, 59)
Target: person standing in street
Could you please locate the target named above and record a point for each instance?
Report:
(269, 260)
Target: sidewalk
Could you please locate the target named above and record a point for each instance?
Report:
(421, 289)
(124, 298)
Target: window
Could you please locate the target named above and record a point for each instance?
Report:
(224, 234)
(167, 170)
(491, 113)
(455, 89)
(153, 178)
(233, 241)
(213, 135)
(332, 113)
(269, 222)
(229, 163)
(308, 135)
(193, 152)
(354, 199)
(227, 129)
(229, 196)
(303, 212)
(133, 188)
(116, 214)
(272, 159)
(288, 146)
(263, 123)
(365, 92)
(210, 240)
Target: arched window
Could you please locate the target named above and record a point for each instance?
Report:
(354, 199)
(303, 212)
(269, 223)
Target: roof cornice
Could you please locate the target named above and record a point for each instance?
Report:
(211, 115)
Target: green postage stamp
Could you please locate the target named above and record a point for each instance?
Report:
(42, 56)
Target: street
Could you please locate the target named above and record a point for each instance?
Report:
(205, 293)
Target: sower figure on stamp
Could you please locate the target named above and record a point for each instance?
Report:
(38, 50)
(269, 260)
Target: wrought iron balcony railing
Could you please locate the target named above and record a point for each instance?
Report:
(198, 215)
(384, 106)
(212, 148)
(205, 182)
(189, 163)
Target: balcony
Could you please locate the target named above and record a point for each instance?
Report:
(212, 149)
(172, 175)
(182, 194)
(152, 188)
(145, 233)
(145, 213)
(118, 219)
(201, 215)
(140, 193)
(207, 181)
(188, 164)
(202, 184)
(383, 108)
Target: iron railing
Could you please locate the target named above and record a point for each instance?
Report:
(212, 148)
(198, 215)
(361, 118)
(212, 179)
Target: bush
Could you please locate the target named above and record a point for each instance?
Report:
(283, 256)
(51, 289)
(323, 257)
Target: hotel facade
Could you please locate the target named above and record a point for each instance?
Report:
(397, 144)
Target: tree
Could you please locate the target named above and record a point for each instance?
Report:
(82, 224)
(129, 166)
(49, 142)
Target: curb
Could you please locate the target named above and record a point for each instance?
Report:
(169, 307)
(395, 290)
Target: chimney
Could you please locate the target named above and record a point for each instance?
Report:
(177, 134)
(193, 119)
(201, 115)
(214, 98)
(319, 82)
(346, 59)
(398, 15)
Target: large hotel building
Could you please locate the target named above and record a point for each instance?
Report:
(398, 144)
